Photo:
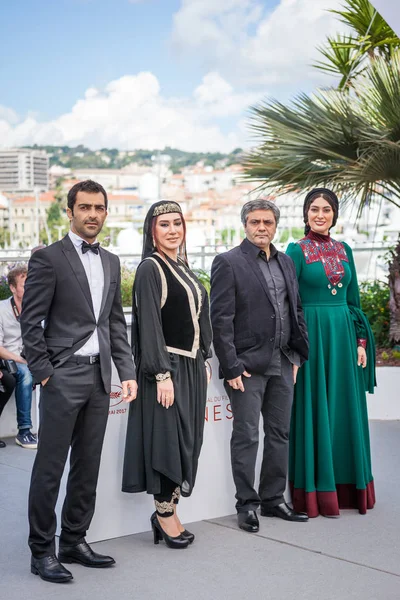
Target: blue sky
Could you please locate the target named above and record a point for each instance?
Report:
(146, 73)
(59, 48)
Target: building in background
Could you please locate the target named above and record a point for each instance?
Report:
(211, 199)
(23, 170)
(4, 211)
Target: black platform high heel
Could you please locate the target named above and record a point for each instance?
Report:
(159, 534)
(187, 535)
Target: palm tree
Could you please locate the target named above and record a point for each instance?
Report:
(345, 138)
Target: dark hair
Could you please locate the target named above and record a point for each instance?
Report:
(181, 251)
(328, 196)
(259, 204)
(16, 272)
(89, 186)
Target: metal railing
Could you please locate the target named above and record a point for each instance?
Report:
(370, 258)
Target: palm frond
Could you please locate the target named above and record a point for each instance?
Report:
(342, 57)
(363, 19)
(347, 141)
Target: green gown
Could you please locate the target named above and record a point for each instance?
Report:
(330, 462)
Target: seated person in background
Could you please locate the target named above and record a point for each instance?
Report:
(10, 350)
(7, 385)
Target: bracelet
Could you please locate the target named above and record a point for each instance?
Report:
(163, 376)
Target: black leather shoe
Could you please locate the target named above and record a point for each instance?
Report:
(84, 555)
(248, 521)
(2, 444)
(187, 535)
(283, 511)
(50, 569)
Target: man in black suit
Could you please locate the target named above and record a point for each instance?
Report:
(260, 339)
(72, 325)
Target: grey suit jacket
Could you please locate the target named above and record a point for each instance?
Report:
(57, 292)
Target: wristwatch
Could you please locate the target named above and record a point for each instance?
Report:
(163, 376)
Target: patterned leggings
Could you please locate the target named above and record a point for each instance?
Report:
(167, 498)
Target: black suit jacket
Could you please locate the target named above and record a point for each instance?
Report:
(242, 313)
(57, 292)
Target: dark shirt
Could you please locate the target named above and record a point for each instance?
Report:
(272, 272)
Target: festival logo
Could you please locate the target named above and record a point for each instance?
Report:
(115, 395)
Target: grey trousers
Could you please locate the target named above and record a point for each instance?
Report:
(272, 397)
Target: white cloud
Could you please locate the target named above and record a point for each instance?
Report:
(217, 98)
(131, 112)
(8, 115)
(244, 47)
(249, 45)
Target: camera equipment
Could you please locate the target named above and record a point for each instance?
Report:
(8, 365)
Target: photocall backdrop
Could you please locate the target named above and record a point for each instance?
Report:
(119, 514)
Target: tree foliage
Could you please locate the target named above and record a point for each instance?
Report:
(81, 157)
(349, 142)
(346, 138)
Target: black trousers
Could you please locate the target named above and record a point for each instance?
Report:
(271, 397)
(8, 383)
(73, 414)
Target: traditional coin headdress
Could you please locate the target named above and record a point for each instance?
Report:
(166, 207)
(163, 207)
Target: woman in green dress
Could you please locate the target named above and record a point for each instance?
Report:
(330, 462)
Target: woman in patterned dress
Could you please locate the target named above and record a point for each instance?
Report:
(330, 462)
(171, 339)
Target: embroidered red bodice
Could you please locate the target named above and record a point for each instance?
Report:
(329, 252)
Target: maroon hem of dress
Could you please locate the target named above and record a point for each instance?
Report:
(329, 503)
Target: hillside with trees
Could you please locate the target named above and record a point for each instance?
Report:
(111, 158)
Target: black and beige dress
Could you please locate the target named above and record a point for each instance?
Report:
(171, 332)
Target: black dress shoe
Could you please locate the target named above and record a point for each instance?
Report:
(2, 444)
(248, 521)
(50, 569)
(84, 555)
(283, 511)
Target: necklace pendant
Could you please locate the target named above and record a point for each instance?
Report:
(340, 285)
(334, 292)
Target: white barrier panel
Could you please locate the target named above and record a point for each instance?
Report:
(119, 514)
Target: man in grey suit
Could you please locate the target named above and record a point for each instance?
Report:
(72, 325)
(260, 339)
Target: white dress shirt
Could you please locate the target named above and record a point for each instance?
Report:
(95, 275)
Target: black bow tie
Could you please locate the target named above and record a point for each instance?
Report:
(93, 247)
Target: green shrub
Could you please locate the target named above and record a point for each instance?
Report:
(204, 277)
(375, 304)
(4, 289)
(127, 279)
